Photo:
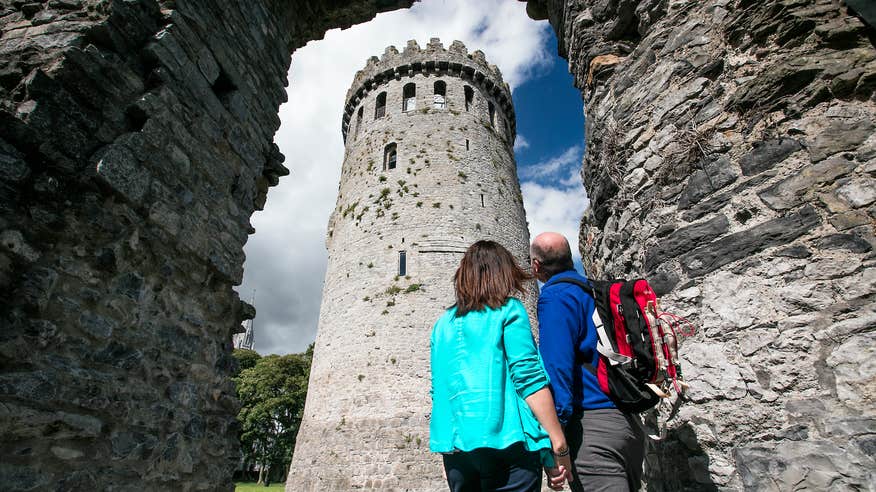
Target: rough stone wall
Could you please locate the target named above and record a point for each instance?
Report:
(731, 158)
(135, 143)
(367, 413)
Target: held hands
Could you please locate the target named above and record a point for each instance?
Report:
(562, 472)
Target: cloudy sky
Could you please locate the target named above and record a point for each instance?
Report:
(286, 258)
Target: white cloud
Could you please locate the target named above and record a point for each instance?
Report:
(557, 167)
(286, 258)
(554, 197)
(520, 143)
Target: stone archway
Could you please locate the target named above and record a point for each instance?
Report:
(730, 155)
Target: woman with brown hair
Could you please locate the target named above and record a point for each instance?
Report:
(493, 415)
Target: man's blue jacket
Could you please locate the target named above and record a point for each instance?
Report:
(567, 339)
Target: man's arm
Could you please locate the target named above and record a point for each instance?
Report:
(558, 340)
(542, 406)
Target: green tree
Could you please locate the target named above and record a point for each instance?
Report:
(272, 390)
(245, 359)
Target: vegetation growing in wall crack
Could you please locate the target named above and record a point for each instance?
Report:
(350, 209)
(393, 290)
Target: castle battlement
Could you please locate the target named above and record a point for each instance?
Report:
(434, 59)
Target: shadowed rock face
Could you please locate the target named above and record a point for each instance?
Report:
(136, 141)
(731, 157)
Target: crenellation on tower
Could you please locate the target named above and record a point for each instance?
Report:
(411, 47)
(433, 60)
(389, 52)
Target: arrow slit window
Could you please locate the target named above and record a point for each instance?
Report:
(389, 157)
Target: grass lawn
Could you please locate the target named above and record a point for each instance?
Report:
(253, 487)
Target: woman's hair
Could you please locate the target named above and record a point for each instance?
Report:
(487, 276)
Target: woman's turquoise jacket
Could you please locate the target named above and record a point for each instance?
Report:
(484, 364)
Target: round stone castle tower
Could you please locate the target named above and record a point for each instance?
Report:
(428, 169)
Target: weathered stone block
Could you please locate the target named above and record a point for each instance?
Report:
(719, 200)
(855, 370)
(743, 244)
(686, 239)
(131, 444)
(96, 325)
(15, 243)
(175, 340)
(25, 423)
(767, 154)
(795, 251)
(858, 193)
(817, 465)
(130, 285)
(772, 86)
(682, 94)
(120, 170)
(37, 287)
(119, 355)
(848, 242)
(806, 296)
(847, 220)
(793, 191)
(839, 136)
(860, 323)
(715, 175)
(711, 373)
(663, 282)
(12, 165)
(16, 478)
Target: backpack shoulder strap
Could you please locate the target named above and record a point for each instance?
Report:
(584, 285)
(605, 347)
(588, 289)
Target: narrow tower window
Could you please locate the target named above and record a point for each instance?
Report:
(359, 120)
(409, 97)
(482, 200)
(438, 100)
(492, 111)
(402, 264)
(469, 97)
(466, 144)
(389, 157)
(380, 107)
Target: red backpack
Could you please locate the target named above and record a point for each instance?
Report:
(638, 344)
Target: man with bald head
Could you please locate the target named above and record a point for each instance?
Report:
(607, 445)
